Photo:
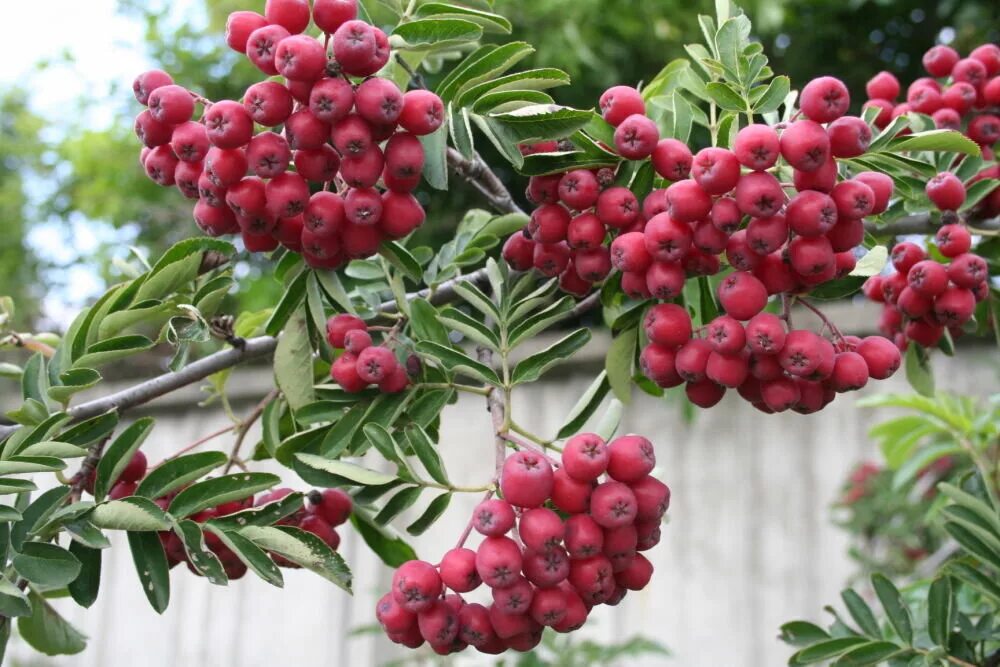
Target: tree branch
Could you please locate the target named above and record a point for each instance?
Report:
(923, 224)
(478, 174)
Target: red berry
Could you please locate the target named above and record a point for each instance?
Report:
(666, 239)
(161, 165)
(811, 213)
(759, 194)
(541, 529)
(688, 202)
(262, 45)
(438, 623)
(474, 626)
(636, 137)
(147, 82)
(585, 231)
(668, 324)
(317, 165)
(805, 145)
(620, 102)
(881, 356)
(423, 112)
(549, 223)
(881, 186)
(493, 517)
(378, 101)
(585, 457)
(985, 129)
(665, 280)
(704, 393)
(613, 504)
(946, 192)
(171, 104)
(726, 335)
(757, 147)
(526, 480)
(883, 85)
(810, 256)
(850, 372)
(692, 359)
(328, 15)
(354, 46)
(630, 458)
(363, 170)
(300, 57)
(953, 240)
(716, 170)
(458, 570)
(904, 255)
(416, 585)
(801, 353)
(551, 259)
(766, 235)
(824, 99)
(498, 562)
(968, 270)
(955, 306)
(569, 495)
(849, 136)
(969, 70)
(672, 159)
(617, 207)
(628, 252)
(742, 295)
(927, 278)
(579, 189)
(519, 250)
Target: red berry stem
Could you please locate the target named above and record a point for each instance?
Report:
(195, 445)
(244, 427)
(823, 318)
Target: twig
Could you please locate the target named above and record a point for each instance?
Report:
(244, 427)
(823, 318)
(478, 174)
(472, 519)
(530, 446)
(195, 445)
(78, 482)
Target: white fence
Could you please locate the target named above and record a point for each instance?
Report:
(749, 544)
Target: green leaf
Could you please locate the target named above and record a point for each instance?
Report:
(293, 362)
(532, 367)
(435, 161)
(488, 20)
(387, 545)
(432, 31)
(425, 325)
(112, 349)
(131, 513)
(470, 327)
(461, 132)
(585, 406)
(872, 263)
(726, 97)
(802, 633)
(179, 472)
(871, 653)
(17, 465)
(14, 485)
(302, 548)
(13, 601)
(398, 504)
(46, 564)
(118, 454)
(73, 381)
(85, 587)
(531, 326)
(773, 96)
(34, 382)
(975, 542)
(971, 576)
(198, 554)
(47, 632)
(426, 451)
(498, 101)
(825, 650)
(541, 122)
(350, 472)
(401, 258)
(683, 118)
(290, 300)
(85, 533)
(255, 558)
(224, 489)
(918, 371)
(454, 360)
(935, 140)
(264, 515)
(433, 512)
(152, 568)
(895, 608)
(52, 449)
(37, 514)
(860, 612)
(611, 419)
(940, 610)
(8, 513)
(528, 80)
(91, 430)
(477, 299)
(985, 511)
(486, 62)
(619, 364)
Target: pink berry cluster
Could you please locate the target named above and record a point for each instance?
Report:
(362, 363)
(544, 566)
(961, 94)
(771, 366)
(327, 122)
(324, 511)
(721, 203)
(923, 297)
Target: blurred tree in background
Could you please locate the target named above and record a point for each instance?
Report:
(95, 173)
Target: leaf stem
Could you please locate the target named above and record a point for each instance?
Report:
(457, 386)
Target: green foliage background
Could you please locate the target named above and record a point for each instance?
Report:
(93, 172)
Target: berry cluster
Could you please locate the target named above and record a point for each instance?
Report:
(924, 297)
(556, 565)
(330, 122)
(362, 363)
(720, 202)
(772, 367)
(961, 94)
(324, 511)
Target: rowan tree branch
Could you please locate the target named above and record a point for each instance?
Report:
(923, 224)
(479, 175)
